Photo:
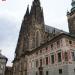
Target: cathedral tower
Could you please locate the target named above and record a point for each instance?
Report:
(22, 43)
(32, 29)
(71, 19)
(36, 31)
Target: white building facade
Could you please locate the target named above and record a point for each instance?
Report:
(55, 58)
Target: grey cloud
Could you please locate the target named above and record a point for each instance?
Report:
(9, 30)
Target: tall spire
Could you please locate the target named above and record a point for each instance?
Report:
(37, 12)
(22, 34)
(27, 11)
(25, 21)
(35, 4)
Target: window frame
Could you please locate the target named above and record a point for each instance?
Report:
(59, 57)
(52, 59)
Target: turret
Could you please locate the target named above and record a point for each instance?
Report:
(73, 6)
(71, 19)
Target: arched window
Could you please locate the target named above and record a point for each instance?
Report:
(38, 38)
(31, 43)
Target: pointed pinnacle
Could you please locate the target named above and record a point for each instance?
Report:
(27, 12)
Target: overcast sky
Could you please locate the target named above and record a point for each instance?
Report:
(11, 15)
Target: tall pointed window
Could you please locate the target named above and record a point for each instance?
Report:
(38, 38)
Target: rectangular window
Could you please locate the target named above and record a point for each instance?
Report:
(74, 70)
(60, 71)
(66, 56)
(37, 53)
(70, 42)
(46, 60)
(52, 59)
(36, 63)
(67, 44)
(58, 44)
(36, 73)
(47, 73)
(40, 51)
(59, 57)
(61, 42)
(40, 62)
(46, 49)
(40, 72)
(73, 56)
(51, 46)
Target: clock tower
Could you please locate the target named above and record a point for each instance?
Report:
(71, 19)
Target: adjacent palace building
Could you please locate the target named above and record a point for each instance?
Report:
(42, 49)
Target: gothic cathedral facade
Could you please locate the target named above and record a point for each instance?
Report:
(42, 49)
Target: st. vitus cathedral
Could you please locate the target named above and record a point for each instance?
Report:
(42, 49)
